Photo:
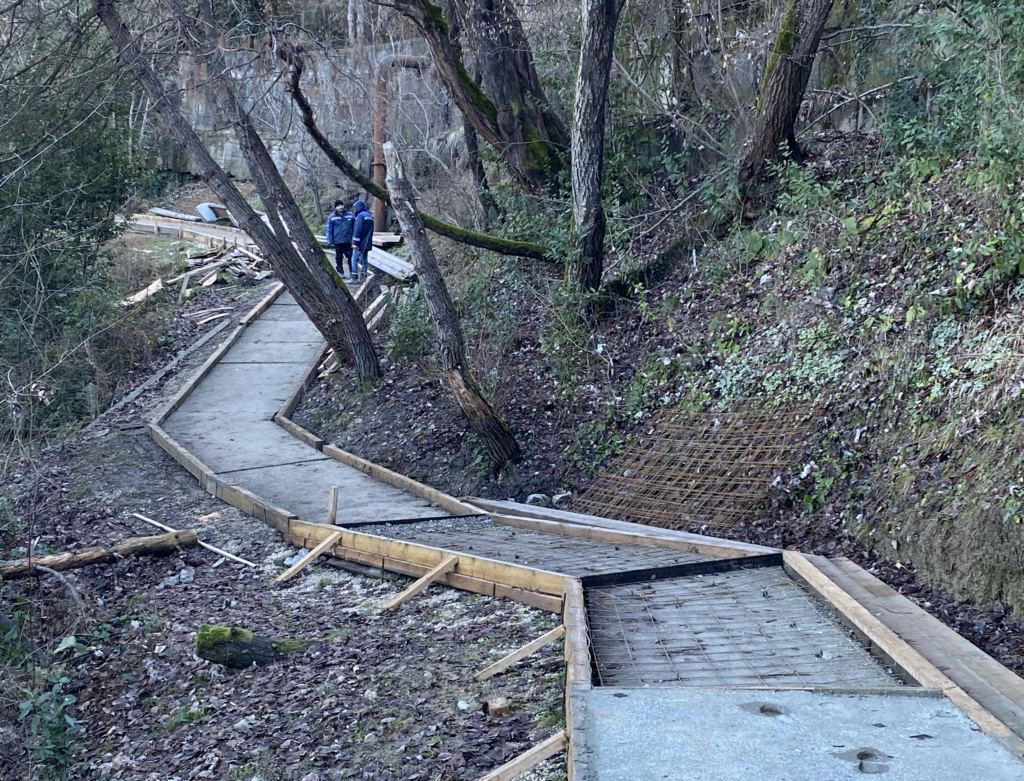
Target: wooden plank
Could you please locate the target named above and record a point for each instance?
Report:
(151, 290)
(299, 432)
(308, 559)
(712, 546)
(332, 505)
(385, 475)
(389, 264)
(923, 671)
(553, 745)
(652, 540)
(453, 579)
(998, 689)
(445, 566)
(522, 653)
(217, 264)
(473, 566)
(577, 637)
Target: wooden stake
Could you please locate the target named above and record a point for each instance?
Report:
(522, 653)
(445, 566)
(534, 756)
(308, 559)
(332, 506)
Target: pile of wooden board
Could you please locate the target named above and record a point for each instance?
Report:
(204, 268)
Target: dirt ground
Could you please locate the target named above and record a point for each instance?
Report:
(376, 697)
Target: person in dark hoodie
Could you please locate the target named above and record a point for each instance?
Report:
(339, 233)
(362, 239)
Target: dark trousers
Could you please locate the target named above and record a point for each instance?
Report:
(342, 256)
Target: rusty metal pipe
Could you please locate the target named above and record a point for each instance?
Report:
(380, 121)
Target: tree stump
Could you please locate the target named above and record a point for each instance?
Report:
(239, 648)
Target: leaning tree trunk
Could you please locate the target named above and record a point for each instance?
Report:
(278, 250)
(784, 83)
(496, 437)
(240, 648)
(277, 198)
(598, 37)
(514, 119)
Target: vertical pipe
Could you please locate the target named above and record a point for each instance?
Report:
(380, 123)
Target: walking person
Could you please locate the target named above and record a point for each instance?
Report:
(340, 224)
(362, 239)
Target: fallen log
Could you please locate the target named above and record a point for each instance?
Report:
(136, 546)
(239, 648)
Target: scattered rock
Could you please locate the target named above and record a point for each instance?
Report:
(539, 500)
(559, 499)
(187, 575)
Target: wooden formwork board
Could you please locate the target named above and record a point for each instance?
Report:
(577, 675)
(710, 546)
(923, 671)
(513, 575)
(647, 540)
(488, 588)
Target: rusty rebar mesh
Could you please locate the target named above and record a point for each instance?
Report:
(711, 469)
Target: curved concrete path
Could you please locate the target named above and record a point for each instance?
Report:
(227, 424)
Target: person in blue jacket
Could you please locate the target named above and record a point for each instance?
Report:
(362, 239)
(339, 233)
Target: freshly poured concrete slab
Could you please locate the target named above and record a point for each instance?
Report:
(748, 735)
(227, 424)
(240, 391)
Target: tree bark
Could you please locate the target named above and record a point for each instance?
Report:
(535, 135)
(502, 246)
(136, 546)
(300, 279)
(277, 199)
(353, 16)
(495, 435)
(600, 18)
(529, 138)
(239, 648)
(784, 83)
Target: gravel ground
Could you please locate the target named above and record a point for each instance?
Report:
(378, 697)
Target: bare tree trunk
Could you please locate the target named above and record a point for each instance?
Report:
(784, 83)
(502, 246)
(496, 437)
(598, 37)
(279, 252)
(509, 78)
(284, 213)
(528, 136)
(483, 190)
(353, 16)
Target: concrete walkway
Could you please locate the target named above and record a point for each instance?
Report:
(226, 423)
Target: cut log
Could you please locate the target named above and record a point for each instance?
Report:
(136, 546)
(240, 648)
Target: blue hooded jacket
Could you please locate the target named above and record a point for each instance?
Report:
(362, 233)
(339, 227)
